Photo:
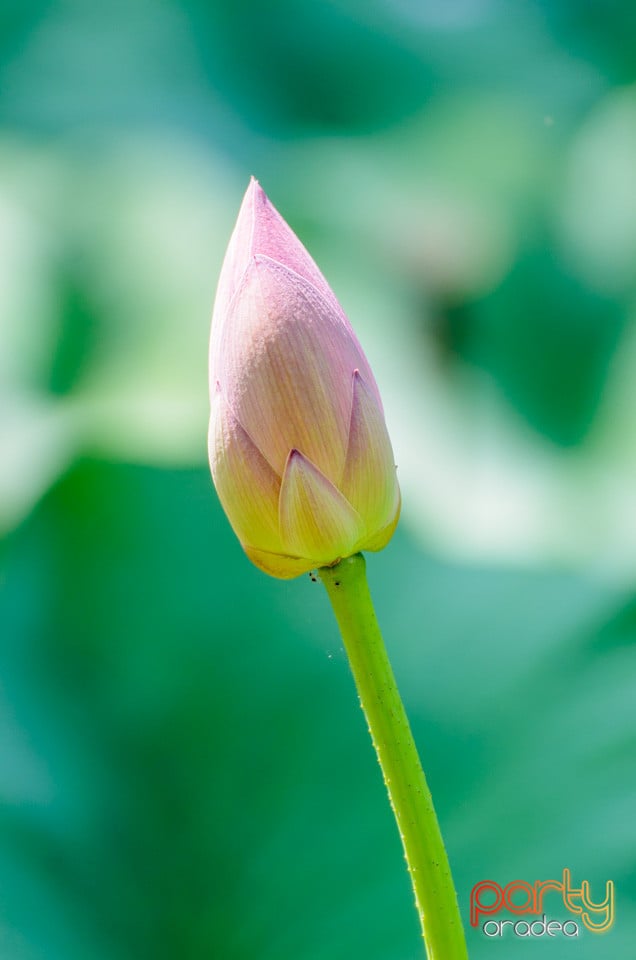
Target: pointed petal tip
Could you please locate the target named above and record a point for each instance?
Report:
(367, 383)
(254, 201)
(254, 189)
(294, 460)
(256, 193)
(315, 520)
(265, 269)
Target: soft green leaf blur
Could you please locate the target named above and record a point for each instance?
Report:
(185, 771)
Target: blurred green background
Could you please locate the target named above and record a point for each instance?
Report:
(185, 771)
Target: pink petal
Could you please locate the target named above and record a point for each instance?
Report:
(316, 521)
(369, 479)
(285, 364)
(273, 237)
(247, 486)
(260, 229)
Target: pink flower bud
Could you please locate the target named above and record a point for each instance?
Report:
(299, 449)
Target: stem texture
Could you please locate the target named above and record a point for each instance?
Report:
(435, 896)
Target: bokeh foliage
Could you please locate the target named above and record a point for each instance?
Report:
(185, 770)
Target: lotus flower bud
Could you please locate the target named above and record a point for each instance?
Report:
(299, 449)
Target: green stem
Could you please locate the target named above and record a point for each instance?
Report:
(435, 895)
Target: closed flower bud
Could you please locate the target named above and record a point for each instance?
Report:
(299, 449)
